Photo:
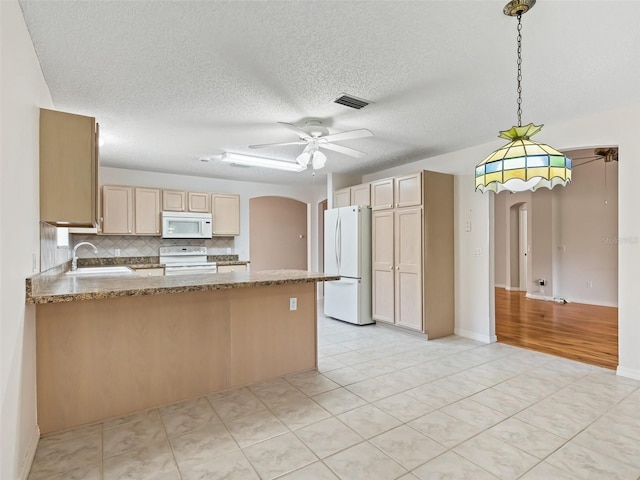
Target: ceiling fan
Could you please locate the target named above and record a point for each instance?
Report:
(316, 136)
(605, 153)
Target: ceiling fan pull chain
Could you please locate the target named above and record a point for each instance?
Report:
(519, 69)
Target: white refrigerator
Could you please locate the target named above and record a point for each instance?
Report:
(347, 252)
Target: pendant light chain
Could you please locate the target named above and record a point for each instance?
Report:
(519, 69)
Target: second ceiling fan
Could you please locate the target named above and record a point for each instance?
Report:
(315, 136)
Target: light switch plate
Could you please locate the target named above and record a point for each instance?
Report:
(293, 303)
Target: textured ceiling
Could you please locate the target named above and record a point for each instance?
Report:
(172, 81)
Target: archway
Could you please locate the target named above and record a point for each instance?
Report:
(278, 233)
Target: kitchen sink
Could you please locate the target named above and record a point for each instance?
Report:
(117, 270)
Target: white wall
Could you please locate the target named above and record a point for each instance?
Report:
(246, 190)
(587, 238)
(615, 127)
(23, 92)
(500, 239)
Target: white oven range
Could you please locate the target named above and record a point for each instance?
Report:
(186, 260)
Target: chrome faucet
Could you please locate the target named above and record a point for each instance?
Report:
(74, 261)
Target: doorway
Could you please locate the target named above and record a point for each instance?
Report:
(322, 207)
(278, 233)
(556, 264)
(523, 247)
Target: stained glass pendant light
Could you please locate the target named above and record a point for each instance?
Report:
(522, 164)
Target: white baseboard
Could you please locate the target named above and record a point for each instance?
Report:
(591, 302)
(538, 296)
(475, 336)
(628, 372)
(513, 289)
(27, 460)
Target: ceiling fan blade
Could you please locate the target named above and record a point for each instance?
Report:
(587, 161)
(298, 131)
(351, 134)
(340, 149)
(276, 144)
(590, 157)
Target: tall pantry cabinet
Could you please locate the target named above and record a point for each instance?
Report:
(412, 249)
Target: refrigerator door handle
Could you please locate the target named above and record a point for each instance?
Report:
(335, 244)
(339, 243)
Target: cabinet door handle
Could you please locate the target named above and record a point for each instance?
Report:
(391, 267)
(397, 268)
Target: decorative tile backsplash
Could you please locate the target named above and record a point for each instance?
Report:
(50, 254)
(133, 246)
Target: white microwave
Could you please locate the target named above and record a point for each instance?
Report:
(186, 225)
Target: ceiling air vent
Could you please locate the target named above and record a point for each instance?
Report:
(351, 101)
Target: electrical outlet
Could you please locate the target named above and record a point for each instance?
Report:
(589, 284)
(477, 252)
(293, 303)
(117, 252)
(467, 226)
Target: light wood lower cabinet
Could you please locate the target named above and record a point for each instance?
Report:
(226, 214)
(231, 268)
(117, 210)
(412, 255)
(102, 359)
(149, 272)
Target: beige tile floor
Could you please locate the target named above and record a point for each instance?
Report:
(384, 405)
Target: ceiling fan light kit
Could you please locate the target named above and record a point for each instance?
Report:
(522, 164)
(252, 161)
(315, 136)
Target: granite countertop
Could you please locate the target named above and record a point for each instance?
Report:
(56, 287)
(153, 261)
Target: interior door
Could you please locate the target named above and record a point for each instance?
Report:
(277, 233)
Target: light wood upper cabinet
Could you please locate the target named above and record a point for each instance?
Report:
(408, 190)
(342, 198)
(117, 210)
(382, 194)
(68, 169)
(198, 202)
(174, 201)
(226, 214)
(147, 211)
(361, 195)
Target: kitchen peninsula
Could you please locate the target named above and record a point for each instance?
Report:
(110, 346)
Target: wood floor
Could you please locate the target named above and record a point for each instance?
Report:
(587, 333)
